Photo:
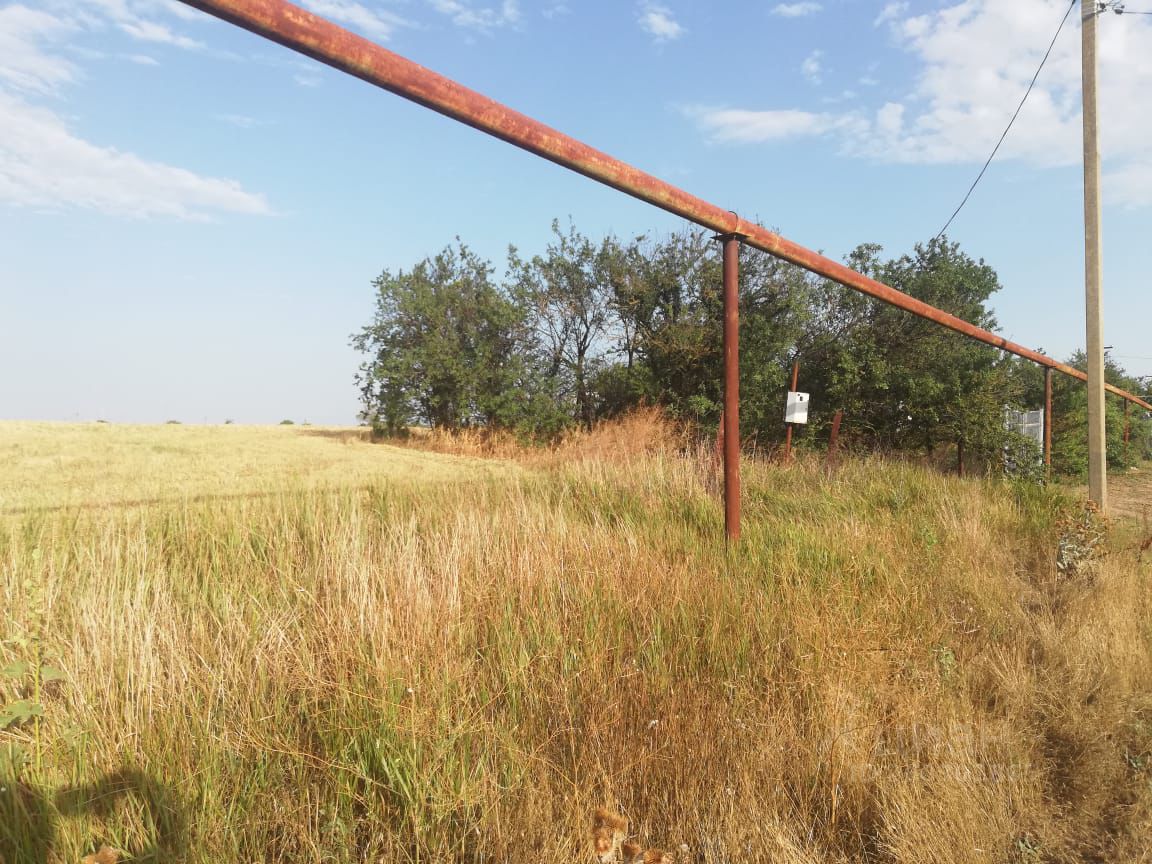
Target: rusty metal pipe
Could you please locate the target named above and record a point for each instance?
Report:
(731, 261)
(788, 426)
(341, 49)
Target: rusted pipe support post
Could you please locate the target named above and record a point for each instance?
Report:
(1127, 427)
(1048, 421)
(731, 258)
(788, 426)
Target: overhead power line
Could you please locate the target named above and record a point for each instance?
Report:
(996, 149)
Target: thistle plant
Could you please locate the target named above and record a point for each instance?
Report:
(25, 678)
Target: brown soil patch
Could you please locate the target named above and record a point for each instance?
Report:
(1131, 495)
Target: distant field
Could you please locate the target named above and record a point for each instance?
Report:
(55, 465)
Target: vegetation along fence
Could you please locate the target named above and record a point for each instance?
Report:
(341, 49)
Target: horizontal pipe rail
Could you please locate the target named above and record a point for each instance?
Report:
(309, 34)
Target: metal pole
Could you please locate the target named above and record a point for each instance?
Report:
(1048, 421)
(311, 35)
(1097, 453)
(731, 257)
(1127, 427)
(788, 429)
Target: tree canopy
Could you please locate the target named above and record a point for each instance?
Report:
(593, 327)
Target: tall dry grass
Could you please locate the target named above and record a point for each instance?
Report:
(889, 668)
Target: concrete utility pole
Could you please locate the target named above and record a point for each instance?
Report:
(1097, 456)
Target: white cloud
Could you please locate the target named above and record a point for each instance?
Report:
(133, 17)
(45, 164)
(973, 61)
(659, 22)
(796, 10)
(183, 11)
(242, 121)
(756, 127)
(150, 31)
(378, 23)
(479, 18)
(24, 65)
(141, 59)
(811, 68)
(890, 12)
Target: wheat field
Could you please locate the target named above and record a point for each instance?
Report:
(292, 644)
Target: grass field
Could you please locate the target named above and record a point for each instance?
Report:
(64, 465)
(291, 644)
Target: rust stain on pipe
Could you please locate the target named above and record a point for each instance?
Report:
(341, 49)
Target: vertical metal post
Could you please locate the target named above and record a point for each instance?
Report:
(1097, 453)
(731, 257)
(1048, 421)
(1127, 427)
(788, 430)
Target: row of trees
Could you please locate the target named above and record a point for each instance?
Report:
(592, 328)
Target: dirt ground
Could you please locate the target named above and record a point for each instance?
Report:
(1131, 495)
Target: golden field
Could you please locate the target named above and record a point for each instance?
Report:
(291, 644)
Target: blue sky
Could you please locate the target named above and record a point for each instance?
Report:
(190, 216)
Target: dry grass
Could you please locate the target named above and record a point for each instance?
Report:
(644, 432)
(890, 668)
(61, 465)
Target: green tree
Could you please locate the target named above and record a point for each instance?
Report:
(446, 347)
(566, 291)
(1070, 421)
(906, 383)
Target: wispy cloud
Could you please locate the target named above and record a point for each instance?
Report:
(24, 65)
(812, 69)
(242, 121)
(141, 59)
(137, 18)
(378, 23)
(796, 10)
(756, 127)
(45, 164)
(659, 22)
(482, 19)
(973, 61)
(150, 31)
(891, 12)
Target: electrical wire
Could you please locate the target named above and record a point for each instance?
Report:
(1019, 107)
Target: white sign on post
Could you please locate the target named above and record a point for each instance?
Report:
(797, 408)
